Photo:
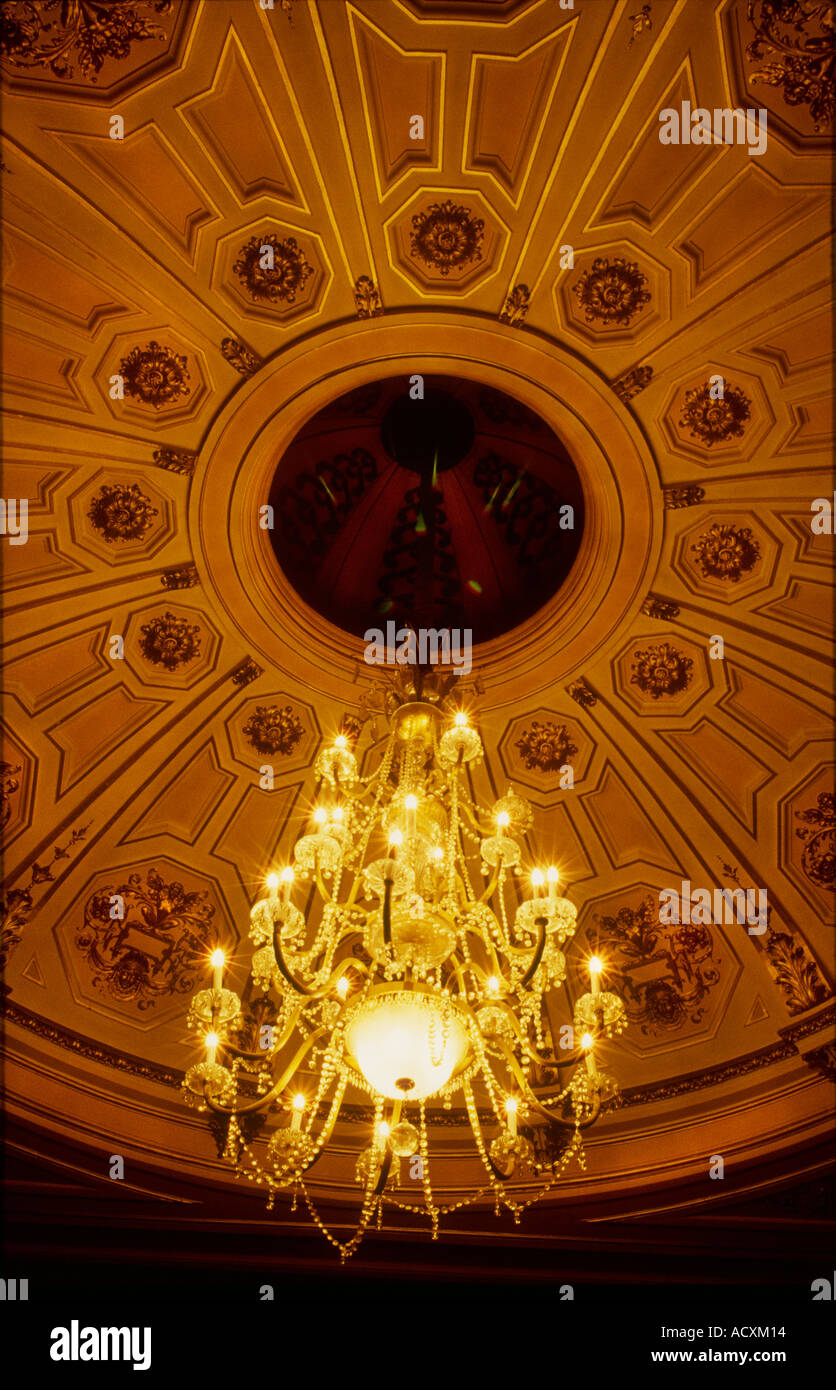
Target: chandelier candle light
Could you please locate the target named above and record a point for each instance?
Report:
(408, 982)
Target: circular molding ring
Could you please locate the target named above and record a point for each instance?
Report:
(622, 494)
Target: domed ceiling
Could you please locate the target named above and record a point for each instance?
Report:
(569, 290)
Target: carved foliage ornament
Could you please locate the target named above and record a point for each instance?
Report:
(726, 552)
(819, 833)
(801, 60)
(662, 972)
(169, 641)
(281, 280)
(516, 306)
(155, 375)
(367, 298)
(54, 34)
(715, 421)
(242, 358)
(122, 513)
(612, 293)
(274, 730)
(446, 237)
(546, 746)
(155, 948)
(661, 670)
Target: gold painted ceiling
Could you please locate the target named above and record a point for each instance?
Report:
(134, 767)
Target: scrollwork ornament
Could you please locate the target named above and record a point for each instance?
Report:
(46, 34)
(802, 65)
(612, 292)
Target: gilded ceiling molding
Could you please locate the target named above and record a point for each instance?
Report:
(447, 237)
(156, 948)
(169, 641)
(242, 358)
(547, 747)
(246, 672)
(818, 859)
(17, 904)
(155, 375)
(712, 421)
(661, 670)
(272, 730)
(654, 606)
(823, 1059)
(612, 293)
(367, 301)
(39, 33)
(799, 62)
(176, 460)
(85, 1047)
(122, 512)
(709, 1076)
(516, 306)
(280, 280)
(632, 382)
(682, 495)
(180, 577)
(726, 552)
(583, 694)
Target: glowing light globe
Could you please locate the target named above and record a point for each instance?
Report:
(407, 1045)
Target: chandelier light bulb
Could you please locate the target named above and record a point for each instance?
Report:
(410, 802)
(337, 814)
(587, 1042)
(320, 815)
(461, 719)
(299, 1102)
(340, 741)
(343, 986)
(503, 819)
(511, 1111)
(273, 884)
(298, 1105)
(493, 985)
(551, 874)
(212, 1041)
(217, 959)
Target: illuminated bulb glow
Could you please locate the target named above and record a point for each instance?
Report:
(298, 1107)
(320, 815)
(503, 819)
(406, 1037)
(340, 741)
(511, 1111)
(410, 802)
(212, 1041)
(343, 987)
(461, 719)
(217, 958)
(493, 985)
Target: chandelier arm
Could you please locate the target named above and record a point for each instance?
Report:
(331, 1119)
(491, 888)
(474, 820)
(294, 983)
(387, 913)
(261, 1101)
(519, 1076)
(538, 954)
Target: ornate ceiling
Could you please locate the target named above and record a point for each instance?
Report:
(535, 240)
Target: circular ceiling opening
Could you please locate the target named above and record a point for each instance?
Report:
(458, 509)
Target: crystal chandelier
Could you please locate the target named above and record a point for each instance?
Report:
(406, 980)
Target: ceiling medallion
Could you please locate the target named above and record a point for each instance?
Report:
(273, 730)
(446, 237)
(661, 670)
(122, 513)
(169, 641)
(155, 375)
(34, 34)
(402, 982)
(726, 552)
(612, 293)
(713, 421)
(547, 747)
(272, 269)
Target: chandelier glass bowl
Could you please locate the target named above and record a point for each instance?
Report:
(407, 981)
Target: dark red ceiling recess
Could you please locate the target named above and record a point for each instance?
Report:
(462, 509)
